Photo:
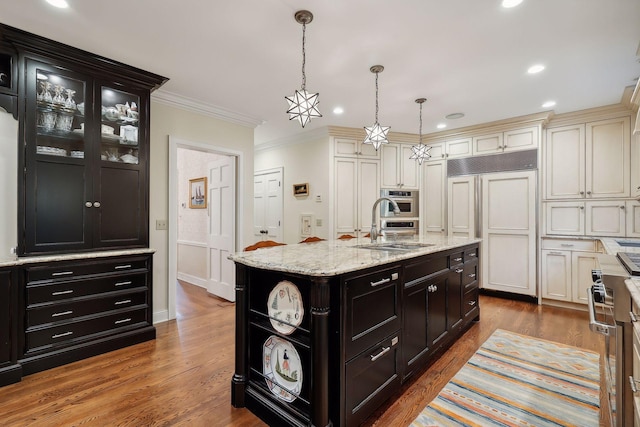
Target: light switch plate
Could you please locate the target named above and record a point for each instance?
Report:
(161, 224)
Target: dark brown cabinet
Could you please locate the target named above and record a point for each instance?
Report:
(10, 371)
(84, 134)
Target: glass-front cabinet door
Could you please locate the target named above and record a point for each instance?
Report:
(121, 188)
(58, 151)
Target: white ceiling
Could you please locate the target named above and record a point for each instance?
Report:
(244, 56)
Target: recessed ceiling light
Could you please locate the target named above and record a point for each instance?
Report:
(441, 125)
(511, 3)
(338, 110)
(453, 116)
(62, 4)
(548, 104)
(535, 69)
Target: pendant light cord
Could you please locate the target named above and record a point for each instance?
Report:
(420, 123)
(304, 56)
(377, 97)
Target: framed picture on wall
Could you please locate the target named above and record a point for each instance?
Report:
(198, 193)
(301, 189)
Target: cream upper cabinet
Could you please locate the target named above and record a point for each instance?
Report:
(564, 218)
(605, 218)
(399, 170)
(437, 151)
(564, 166)
(461, 147)
(511, 140)
(461, 220)
(591, 160)
(488, 144)
(354, 148)
(432, 197)
(635, 164)
(356, 187)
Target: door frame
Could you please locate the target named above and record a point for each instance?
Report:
(174, 144)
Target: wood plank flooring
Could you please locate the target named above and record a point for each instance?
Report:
(183, 378)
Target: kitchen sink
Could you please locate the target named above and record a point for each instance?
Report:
(628, 243)
(395, 246)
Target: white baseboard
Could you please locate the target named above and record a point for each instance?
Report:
(194, 280)
(160, 316)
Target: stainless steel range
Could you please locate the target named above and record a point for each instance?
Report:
(613, 320)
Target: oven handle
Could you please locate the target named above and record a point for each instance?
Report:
(594, 325)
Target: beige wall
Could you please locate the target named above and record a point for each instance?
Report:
(303, 162)
(186, 125)
(8, 183)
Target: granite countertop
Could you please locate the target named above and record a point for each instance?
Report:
(11, 261)
(612, 247)
(333, 257)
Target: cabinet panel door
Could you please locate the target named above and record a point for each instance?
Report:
(56, 215)
(607, 158)
(437, 151)
(346, 195)
(7, 311)
(521, 139)
(122, 214)
(459, 148)
(415, 341)
(565, 218)
(632, 220)
(461, 207)
(437, 311)
(581, 265)
(564, 166)
(433, 197)
(556, 275)
(487, 144)
(390, 161)
(605, 218)
(368, 191)
(635, 163)
(409, 168)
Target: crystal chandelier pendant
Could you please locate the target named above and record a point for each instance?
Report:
(376, 134)
(420, 151)
(303, 105)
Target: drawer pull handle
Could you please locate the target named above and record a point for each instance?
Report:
(633, 382)
(62, 273)
(65, 334)
(567, 245)
(472, 303)
(62, 313)
(128, 282)
(459, 270)
(555, 253)
(126, 301)
(472, 275)
(473, 254)
(380, 282)
(384, 351)
(122, 267)
(633, 316)
(62, 292)
(117, 322)
(457, 259)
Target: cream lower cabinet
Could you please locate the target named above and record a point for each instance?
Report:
(632, 212)
(593, 218)
(566, 269)
(356, 188)
(399, 170)
(432, 198)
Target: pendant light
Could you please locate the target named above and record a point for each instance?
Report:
(376, 134)
(420, 151)
(302, 104)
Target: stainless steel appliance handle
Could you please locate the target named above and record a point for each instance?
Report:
(594, 325)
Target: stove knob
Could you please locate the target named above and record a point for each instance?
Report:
(596, 275)
(598, 292)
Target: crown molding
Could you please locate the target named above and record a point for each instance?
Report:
(299, 138)
(189, 104)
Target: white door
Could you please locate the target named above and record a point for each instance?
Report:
(221, 277)
(509, 232)
(267, 205)
(461, 220)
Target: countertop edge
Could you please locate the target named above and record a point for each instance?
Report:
(19, 261)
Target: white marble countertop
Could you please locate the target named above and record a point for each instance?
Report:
(333, 257)
(16, 261)
(612, 246)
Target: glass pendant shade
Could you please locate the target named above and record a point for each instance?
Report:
(303, 105)
(376, 134)
(420, 151)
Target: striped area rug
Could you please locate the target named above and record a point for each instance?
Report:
(516, 380)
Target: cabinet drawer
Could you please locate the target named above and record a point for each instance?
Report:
(372, 309)
(371, 378)
(425, 267)
(470, 276)
(65, 270)
(57, 312)
(471, 255)
(570, 245)
(62, 290)
(470, 302)
(77, 330)
(456, 258)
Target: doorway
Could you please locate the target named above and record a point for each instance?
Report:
(212, 231)
(268, 205)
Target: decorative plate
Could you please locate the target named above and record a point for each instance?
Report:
(282, 368)
(285, 307)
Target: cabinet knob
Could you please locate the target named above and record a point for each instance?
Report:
(582, 193)
(588, 193)
(88, 204)
(472, 303)
(96, 204)
(582, 207)
(622, 207)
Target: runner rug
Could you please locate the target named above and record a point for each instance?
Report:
(516, 380)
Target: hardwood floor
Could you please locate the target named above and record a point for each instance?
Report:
(184, 376)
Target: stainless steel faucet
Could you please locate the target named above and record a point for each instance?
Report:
(374, 229)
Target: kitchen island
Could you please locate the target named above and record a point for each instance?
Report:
(327, 331)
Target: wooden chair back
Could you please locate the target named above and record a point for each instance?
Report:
(263, 244)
